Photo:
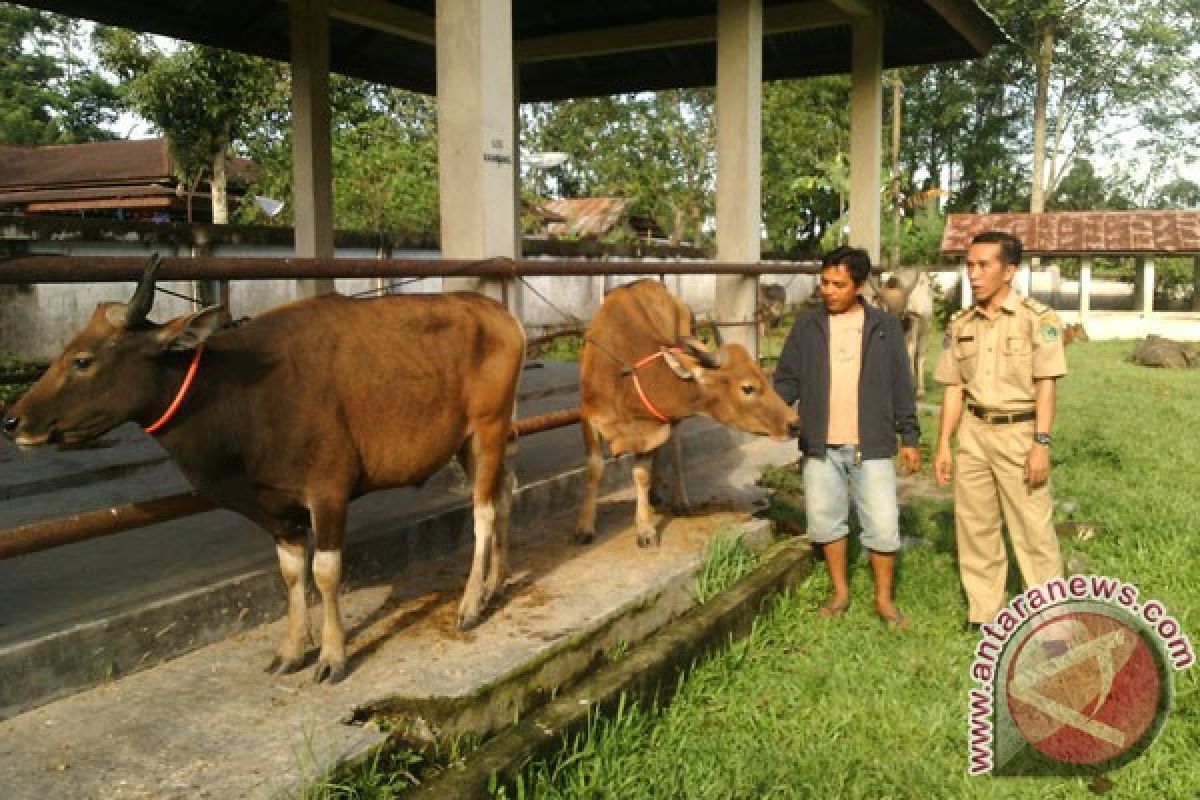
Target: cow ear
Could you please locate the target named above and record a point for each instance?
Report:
(684, 366)
(188, 333)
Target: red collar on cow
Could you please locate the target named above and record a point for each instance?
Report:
(158, 425)
(638, 384)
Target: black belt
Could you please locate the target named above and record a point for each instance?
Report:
(995, 418)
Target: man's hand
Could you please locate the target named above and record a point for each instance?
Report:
(1037, 466)
(943, 465)
(910, 460)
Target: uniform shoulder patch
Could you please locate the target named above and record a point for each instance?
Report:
(1035, 306)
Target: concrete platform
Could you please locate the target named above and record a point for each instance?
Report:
(211, 724)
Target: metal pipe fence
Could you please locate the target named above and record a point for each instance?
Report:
(35, 537)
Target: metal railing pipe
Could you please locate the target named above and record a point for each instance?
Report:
(101, 269)
(38, 536)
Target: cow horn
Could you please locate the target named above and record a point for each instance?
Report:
(143, 296)
(707, 358)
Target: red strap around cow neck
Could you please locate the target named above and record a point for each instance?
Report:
(158, 425)
(638, 384)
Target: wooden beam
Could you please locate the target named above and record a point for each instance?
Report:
(853, 8)
(386, 17)
(672, 33)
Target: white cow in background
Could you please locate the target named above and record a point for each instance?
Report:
(908, 294)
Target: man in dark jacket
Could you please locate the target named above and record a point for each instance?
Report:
(847, 365)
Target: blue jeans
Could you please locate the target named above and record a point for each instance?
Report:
(830, 481)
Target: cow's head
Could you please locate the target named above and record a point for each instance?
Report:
(111, 372)
(734, 389)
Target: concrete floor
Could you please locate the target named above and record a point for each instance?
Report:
(211, 724)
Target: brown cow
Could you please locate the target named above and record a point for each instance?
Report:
(1075, 332)
(294, 413)
(641, 372)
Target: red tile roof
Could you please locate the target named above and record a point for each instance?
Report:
(586, 216)
(1084, 232)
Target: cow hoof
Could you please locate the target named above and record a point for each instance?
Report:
(467, 621)
(583, 537)
(329, 671)
(651, 539)
(281, 666)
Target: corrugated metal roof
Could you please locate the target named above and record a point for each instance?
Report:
(1083, 232)
(586, 216)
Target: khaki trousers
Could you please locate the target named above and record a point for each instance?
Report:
(990, 476)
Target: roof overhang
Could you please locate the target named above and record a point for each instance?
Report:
(567, 49)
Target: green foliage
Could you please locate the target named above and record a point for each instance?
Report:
(656, 149)
(725, 561)
(48, 94)
(805, 141)
(384, 776)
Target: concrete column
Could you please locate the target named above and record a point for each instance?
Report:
(964, 287)
(866, 125)
(1085, 287)
(477, 153)
(739, 163)
(1147, 297)
(312, 169)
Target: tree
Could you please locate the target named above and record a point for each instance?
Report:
(48, 94)
(805, 155)
(1101, 67)
(203, 99)
(656, 150)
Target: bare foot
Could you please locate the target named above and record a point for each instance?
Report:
(834, 608)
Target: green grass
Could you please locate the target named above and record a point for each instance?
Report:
(804, 707)
(725, 561)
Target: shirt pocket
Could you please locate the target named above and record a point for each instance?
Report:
(1018, 358)
(966, 353)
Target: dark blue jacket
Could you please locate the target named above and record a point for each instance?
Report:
(886, 403)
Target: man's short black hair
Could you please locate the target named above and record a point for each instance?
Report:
(856, 261)
(1011, 248)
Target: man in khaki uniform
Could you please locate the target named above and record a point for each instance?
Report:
(999, 363)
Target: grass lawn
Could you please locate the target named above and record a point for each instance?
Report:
(805, 707)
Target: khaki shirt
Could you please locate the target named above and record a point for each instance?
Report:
(996, 359)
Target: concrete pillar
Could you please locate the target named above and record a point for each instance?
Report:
(1085, 287)
(477, 152)
(739, 151)
(1146, 301)
(866, 125)
(964, 287)
(312, 169)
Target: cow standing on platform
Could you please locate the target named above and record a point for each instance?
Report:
(290, 415)
(642, 371)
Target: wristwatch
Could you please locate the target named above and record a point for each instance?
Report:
(1042, 438)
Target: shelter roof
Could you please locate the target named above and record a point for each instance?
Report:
(1083, 233)
(585, 216)
(567, 49)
